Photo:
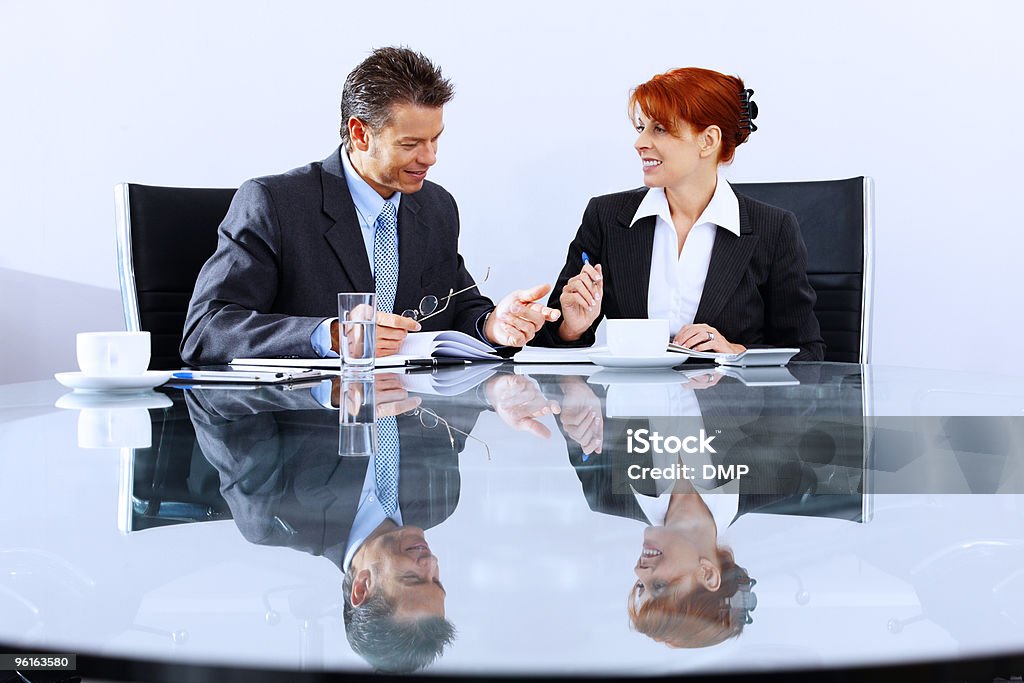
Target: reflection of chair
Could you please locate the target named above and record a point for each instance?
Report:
(172, 482)
(837, 224)
(164, 236)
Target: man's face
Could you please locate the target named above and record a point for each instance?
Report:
(400, 564)
(395, 158)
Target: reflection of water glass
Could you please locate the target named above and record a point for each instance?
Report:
(357, 329)
(357, 432)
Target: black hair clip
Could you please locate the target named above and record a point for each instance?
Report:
(748, 110)
(742, 603)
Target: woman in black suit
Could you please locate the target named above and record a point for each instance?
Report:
(728, 272)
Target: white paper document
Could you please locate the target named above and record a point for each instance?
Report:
(447, 344)
(750, 357)
(444, 344)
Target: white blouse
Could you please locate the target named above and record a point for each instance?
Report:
(677, 278)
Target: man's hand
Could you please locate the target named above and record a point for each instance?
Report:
(392, 397)
(389, 395)
(518, 317)
(518, 401)
(391, 331)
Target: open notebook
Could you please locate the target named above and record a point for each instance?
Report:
(750, 357)
(417, 346)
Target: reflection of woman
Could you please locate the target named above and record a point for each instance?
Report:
(727, 271)
(689, 591)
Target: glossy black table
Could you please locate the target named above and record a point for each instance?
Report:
(874, 516)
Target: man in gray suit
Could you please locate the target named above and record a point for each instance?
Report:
(364, 219)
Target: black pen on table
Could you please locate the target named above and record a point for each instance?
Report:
(434, 362)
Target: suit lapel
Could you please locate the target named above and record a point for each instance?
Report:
(413, 240)
(729, 259)
(630, 253)
(344, 234)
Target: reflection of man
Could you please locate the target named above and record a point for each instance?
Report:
(365, 219)
(282, 476)
(394, 600)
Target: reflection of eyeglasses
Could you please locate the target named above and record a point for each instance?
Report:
(429, 304)
(429, 419)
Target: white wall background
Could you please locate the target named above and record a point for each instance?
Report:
(923, 96)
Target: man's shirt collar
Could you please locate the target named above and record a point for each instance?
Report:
(368, 202)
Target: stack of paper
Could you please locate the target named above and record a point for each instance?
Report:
(444, 344)
(447, 344)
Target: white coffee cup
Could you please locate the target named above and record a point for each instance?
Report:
(637, 337)
(113, 354)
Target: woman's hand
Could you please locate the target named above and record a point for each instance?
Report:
(582, 417)
(581, 302)
(701, 337)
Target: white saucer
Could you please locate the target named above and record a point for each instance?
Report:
(661, 360)
(82, 382)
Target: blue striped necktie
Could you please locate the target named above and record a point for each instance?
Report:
(386, 464)
(385, 257)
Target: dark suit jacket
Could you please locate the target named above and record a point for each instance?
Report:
(282, 477)
(290, 243)
(756, 292)
(802, 461)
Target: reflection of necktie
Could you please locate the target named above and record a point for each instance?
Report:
(386, 464)
(385, 257)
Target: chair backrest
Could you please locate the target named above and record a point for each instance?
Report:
(164, 236)
(837, 224)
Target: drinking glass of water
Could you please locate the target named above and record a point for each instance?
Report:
(357, 330)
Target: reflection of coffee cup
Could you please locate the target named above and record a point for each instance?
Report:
(637, 337)
(114, 428)
(113, 354)
(114, 420)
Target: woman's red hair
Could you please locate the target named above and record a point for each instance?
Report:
(698, 97)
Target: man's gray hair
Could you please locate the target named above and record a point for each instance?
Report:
(390, 76)
(388, 644)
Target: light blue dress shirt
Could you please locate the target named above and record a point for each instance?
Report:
(368, 205)
(370, 512)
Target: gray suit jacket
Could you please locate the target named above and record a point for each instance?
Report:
(290, 243)
(280, 473)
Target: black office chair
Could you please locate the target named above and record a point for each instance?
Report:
(164, 236)
(171, 482)
(837, 223)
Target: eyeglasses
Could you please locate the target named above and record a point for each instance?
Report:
(429, 304)
(429, 419)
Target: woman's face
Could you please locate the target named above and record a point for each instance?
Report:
(668, 561)
(667, 158)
